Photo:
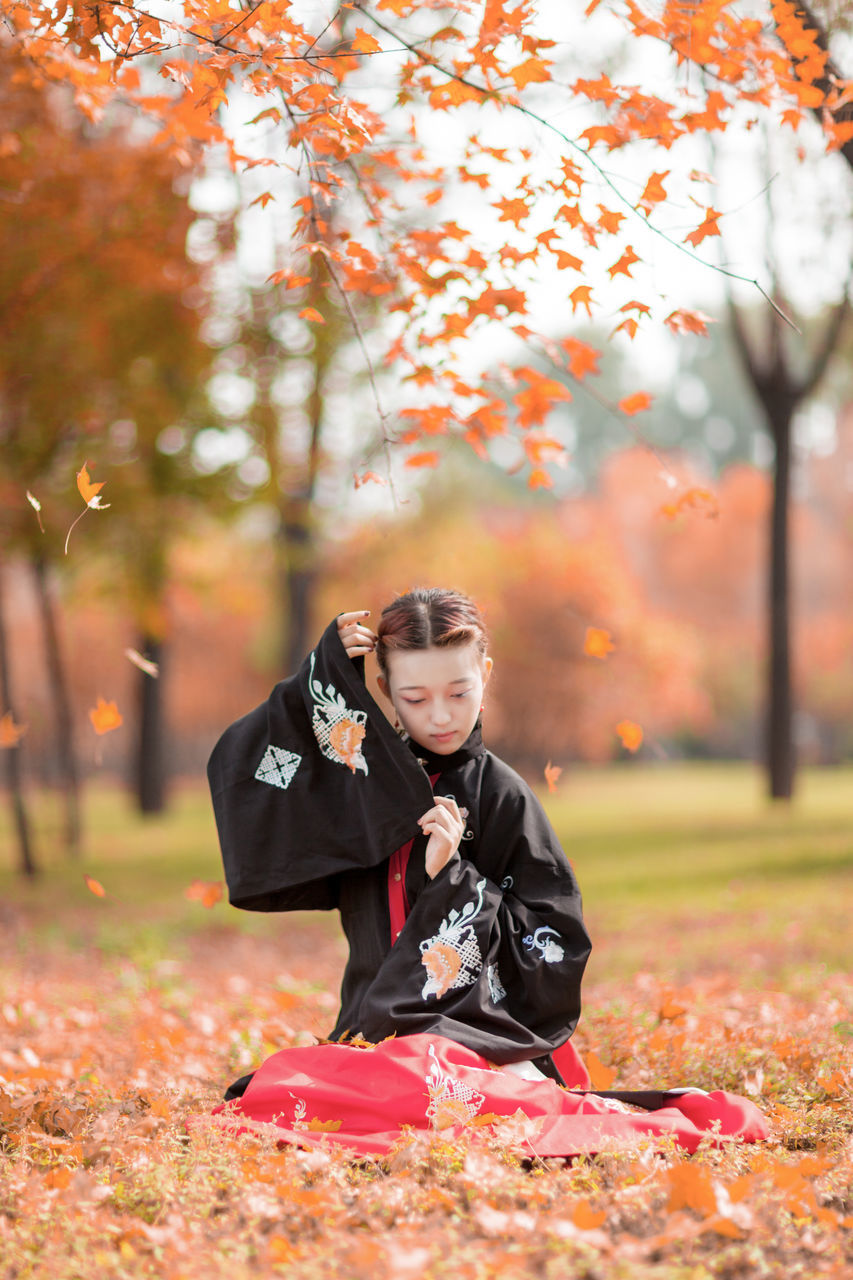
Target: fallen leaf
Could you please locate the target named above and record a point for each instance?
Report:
(552, 773)
(631, 734)
(105, 716)
(600, 1076)
(10, 732)
(88, 489)
(95, 886)
(144, 664)
(597, 642)
(207, 892)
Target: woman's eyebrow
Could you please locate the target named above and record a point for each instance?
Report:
(404, 688)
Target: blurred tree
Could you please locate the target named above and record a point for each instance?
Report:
(100, 359)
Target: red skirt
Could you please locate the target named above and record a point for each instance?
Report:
(369, 1099)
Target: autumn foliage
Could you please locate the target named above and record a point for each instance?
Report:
(325, 119)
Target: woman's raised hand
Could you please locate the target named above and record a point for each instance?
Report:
(356, 636)
(445, 827)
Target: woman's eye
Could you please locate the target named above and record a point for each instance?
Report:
(413, 702)
(461, 695)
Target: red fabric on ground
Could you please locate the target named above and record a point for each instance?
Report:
(363, 1099)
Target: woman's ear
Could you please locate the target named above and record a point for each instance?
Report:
(487, 668)
(383, 687)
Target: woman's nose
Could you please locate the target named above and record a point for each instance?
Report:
(440, 713)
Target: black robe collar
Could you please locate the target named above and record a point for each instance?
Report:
(433, 763)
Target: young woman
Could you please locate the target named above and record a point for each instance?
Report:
(461, 911)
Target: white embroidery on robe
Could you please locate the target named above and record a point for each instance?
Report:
(551, 952)
(339, 730)
(278, 767)
(452, 957)
(451, 1101)
(496, 987)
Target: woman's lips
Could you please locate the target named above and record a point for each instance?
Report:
(444, 737)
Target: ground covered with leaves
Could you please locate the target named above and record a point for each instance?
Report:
(118, 1034)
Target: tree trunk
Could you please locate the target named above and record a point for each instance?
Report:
(780, 743)
(151, 740)
(26, 857)
(61, 702)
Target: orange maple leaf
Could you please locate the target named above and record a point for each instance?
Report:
(105, 716)
(583, 358)
(631, 734)
(540, 479)
(207, 892)
(530, 70)
(580, 297)
(706, 228)
(597, 642)
(263, 199)
(635, 403)
(429, 458)
(567, 261)
(552, 773)
(623, 266)
(89, 491)
(609, 220)
(600, 1076)
(653, 192)
(10, 733)
(311, 314)
(363, 42)
(512, 210)
(95, 886)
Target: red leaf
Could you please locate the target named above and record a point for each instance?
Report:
(207, 892)
(311, 314)
(10, 733)
(363, 42)
(580, 297)
(427, 459)
(707, 228)
(105, 716)
(653, 192)
(631, 734)
(682, 321)
(623, 266)
(88, 490)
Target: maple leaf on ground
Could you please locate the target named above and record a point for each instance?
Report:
(552, 773)
(597, 642)
(706, 228)
(10, 733)
(631, 734)
(635, 403)
(105, 716)
(600, 1076)
(95, 886)
(207, 892)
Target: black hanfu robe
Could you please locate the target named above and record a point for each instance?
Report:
(314, 791)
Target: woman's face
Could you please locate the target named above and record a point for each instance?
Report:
(437, 693)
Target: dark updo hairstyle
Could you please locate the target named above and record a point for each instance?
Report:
(429, 616)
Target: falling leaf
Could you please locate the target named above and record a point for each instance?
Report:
(10, 732)
(36, 506)
(207, 892)
(600, 1076)
(597, 643)
(90, 493)
(552, 773)
(144, 664)
(105, 716)
(311, 314)
(88, 489)
(631, 734)
(635, 403)
(95, 886)
(429, 458)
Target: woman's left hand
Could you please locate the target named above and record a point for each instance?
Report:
(445, 827)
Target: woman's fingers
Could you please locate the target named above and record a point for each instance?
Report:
(356, 636)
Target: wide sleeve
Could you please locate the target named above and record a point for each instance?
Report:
(494, 949)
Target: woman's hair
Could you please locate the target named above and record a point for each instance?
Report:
(429, 616)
